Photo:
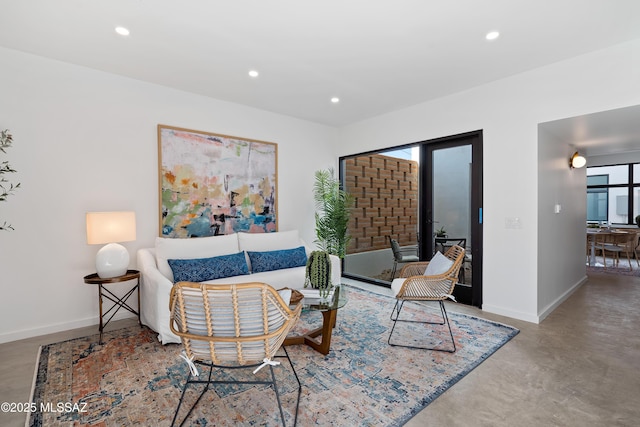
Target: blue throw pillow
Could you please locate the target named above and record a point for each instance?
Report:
(277, 260)
(202, 269)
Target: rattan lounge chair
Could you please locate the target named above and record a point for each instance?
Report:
(231, 327)
(416, 286)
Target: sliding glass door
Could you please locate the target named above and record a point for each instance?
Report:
(451, 206)
(420, 197)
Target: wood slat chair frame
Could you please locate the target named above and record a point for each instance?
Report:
(635, 245)
(615, 243)
(631, 246)
(418, 287)
(231, 326)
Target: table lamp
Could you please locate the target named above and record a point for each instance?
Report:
(112, 259)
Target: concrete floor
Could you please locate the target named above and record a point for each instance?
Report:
(579, 367)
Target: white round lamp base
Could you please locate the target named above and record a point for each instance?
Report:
(112, 260)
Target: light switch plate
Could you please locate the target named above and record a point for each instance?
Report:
(512, 223)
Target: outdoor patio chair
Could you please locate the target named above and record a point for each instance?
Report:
(230, 327)
(401, 255)
(428, 281)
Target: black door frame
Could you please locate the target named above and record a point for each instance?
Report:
(472, 295)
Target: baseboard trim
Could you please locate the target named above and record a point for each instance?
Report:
(58, 327)
(562, 298)
(501, 311)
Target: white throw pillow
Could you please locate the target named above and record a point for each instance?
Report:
(264, 242)
(396, 285)
(200, 247)
(285, 294)
(439, 264)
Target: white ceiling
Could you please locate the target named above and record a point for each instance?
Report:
(375, 55)
(605, 132)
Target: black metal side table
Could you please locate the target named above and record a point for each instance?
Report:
(118, 303)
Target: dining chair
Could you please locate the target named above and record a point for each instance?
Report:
(631, 247)
(230, 327)
(615, 243)
(432, 280)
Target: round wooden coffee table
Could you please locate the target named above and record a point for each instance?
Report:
(329, 309)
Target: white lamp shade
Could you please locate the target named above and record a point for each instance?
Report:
(109, 227)
(112, 260)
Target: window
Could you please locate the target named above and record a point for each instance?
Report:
(613, 193)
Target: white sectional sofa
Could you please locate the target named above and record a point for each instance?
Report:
(198, 258)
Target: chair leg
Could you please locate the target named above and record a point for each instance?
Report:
(393, 271)
(629, 260)
(208, 382)
(184, 390)
(445, 320)
(295, 419)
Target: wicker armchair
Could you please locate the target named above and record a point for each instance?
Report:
(416, 286)
(231, 326)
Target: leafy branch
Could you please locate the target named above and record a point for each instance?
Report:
(6, 188)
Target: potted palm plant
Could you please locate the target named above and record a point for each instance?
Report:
(333, 206)
(332, 215)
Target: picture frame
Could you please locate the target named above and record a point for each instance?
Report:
(212, 184)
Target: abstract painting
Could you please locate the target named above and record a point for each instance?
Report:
(214, 184)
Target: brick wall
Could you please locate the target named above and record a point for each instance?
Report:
(385, 190)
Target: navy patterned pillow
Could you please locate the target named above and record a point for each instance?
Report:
(202, 269)
(277, 260)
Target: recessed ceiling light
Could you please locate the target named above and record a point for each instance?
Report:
(254, 73)
(335, 99)
(122, 31)
(492, 35)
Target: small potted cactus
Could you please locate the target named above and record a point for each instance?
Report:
(318, 272)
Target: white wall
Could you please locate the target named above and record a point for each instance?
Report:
(558, 185)
(86, 141)
(509, 111)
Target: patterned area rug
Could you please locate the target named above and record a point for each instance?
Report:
(131, 379)
(621, 269)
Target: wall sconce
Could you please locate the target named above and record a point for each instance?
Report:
(112, 260)
(577, 161)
